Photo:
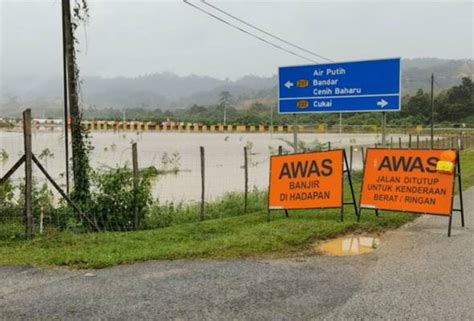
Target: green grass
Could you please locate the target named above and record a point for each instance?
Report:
(221, 238)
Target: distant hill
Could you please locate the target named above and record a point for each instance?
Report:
(170, 91)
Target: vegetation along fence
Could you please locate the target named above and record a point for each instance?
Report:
(141, 183)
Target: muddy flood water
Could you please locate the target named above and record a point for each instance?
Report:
(224, 157)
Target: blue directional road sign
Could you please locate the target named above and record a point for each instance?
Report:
(360, 86)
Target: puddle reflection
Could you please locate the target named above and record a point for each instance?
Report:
(347, 246)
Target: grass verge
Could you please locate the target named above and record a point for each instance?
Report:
(221, 238)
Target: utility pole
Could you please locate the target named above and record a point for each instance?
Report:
(66, 113)
(225, 113)
(432, 111)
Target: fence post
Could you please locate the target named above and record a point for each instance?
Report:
(28, 174)
(329, 145)
(391, 142)
(135, 182)
(280, 150)
(201, 214)
(246, 168)
(399, 142)
(417, 141)
(351, 152)
(409, 141)
(363, 156)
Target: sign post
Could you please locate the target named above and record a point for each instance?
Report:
(361, 86)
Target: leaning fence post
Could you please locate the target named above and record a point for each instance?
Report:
(246, 168)
(201, 214)
(351, 152)
(28, 174)
(135, 182)
(363, 156)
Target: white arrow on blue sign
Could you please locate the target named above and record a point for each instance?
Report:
(359, 86)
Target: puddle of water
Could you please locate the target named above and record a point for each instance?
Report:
(349, 245)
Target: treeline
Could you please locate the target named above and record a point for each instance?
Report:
(452, 107)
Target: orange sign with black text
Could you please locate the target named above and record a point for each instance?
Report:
(306, 181)
(407, 180)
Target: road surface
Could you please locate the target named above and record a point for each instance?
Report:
(416, 273)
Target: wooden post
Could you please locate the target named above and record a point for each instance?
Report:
(391, 142)
(280, 150)
(399, 142)
(351, 156)
(329, 145)
(201, 214)
(246, 168)
(409, 141)
(417, 141)
(363, 156)
(135, 183)
(28, 174)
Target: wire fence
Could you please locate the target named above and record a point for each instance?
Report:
(188, 177)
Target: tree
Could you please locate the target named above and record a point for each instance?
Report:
(457, 103)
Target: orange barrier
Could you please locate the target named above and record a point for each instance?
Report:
(308, 181)
(409, 180)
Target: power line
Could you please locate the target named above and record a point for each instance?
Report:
(248, 33)
(266, 32)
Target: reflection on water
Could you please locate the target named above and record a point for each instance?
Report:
(223, 157)
(347, 246)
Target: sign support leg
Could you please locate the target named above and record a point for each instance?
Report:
(461, 203)
(352, 189)
(286, 213)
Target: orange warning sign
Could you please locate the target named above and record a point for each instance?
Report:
(407, 180)
(304, 181)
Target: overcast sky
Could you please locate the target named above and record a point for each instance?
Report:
(132, 38)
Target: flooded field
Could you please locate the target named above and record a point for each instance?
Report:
(224, 157)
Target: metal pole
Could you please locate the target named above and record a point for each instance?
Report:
(295, 134)
(246, 167)
(66, 112)
(135, 181)
(432, 112)
(383, 129)
(340, 123)
(201, 214)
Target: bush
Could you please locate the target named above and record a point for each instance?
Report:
(114, 199)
